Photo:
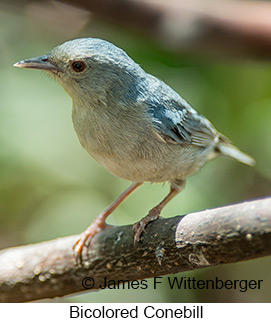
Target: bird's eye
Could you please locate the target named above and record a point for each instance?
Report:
(78, 66)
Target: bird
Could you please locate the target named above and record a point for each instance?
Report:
(132, 123)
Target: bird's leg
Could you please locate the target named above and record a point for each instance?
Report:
(139, 227)
(99, 223)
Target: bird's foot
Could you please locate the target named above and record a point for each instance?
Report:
(85, 238)
(139, 227)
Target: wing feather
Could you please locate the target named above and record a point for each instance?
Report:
(183, 125)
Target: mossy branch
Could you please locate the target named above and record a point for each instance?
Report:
(182, 243)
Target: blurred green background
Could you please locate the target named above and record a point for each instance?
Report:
(50, 187)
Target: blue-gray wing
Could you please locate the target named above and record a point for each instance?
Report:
(177, 122)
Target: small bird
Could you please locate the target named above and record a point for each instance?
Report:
(131, 122)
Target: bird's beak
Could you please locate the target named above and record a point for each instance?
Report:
(41, 63)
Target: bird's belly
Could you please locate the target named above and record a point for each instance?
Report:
(160, 167)
(130, 157)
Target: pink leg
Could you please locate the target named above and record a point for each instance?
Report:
(99, 223)
(139, 227)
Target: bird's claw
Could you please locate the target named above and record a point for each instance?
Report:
(139, 227)
(85, 238)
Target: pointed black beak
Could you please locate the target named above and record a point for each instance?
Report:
(41, 63)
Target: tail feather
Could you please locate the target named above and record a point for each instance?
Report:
(233, 152)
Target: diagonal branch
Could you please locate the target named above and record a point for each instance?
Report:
(228, 28)
(208, 238)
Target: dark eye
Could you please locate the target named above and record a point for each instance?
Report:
(78, 66)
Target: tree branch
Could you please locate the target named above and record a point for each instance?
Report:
(228, 28)
(208, 238)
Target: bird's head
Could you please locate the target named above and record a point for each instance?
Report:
(86, 66)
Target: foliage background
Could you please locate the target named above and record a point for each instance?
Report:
(50, 187)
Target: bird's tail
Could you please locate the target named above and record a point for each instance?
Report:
(231, 151)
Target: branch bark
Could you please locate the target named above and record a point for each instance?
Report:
(182, 243)
(228, 28)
